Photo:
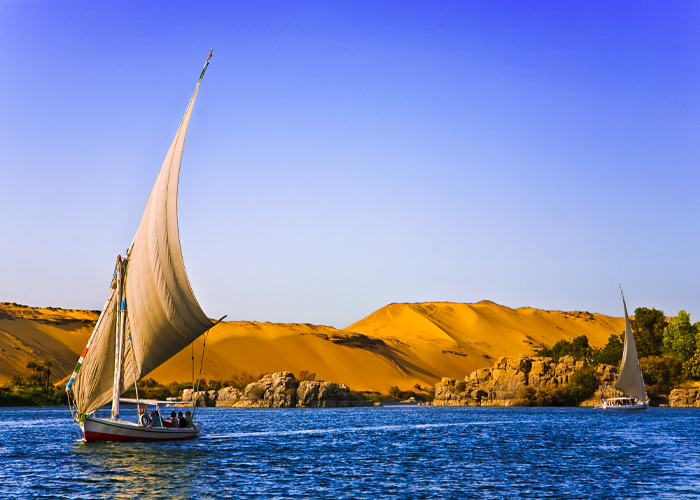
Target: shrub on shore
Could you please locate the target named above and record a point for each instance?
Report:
(32, 395)
(306, 375)
(661, 373)
(577, 347)
(395, 395)
(240, 381)
(582, 386)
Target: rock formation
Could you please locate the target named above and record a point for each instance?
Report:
(227, 396)
(281, 390)
(200, 398)
(684, 398)
(323, 394)
(272, 391)
(607, 376)
(500, 385)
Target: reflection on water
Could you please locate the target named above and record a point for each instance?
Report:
(143, 469)
(366, 452)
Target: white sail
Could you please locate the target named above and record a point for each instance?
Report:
(630, 380)
(93, 377)
(162, 314)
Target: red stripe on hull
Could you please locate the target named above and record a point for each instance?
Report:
(102, 436)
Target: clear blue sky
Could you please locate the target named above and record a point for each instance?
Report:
(345, 155)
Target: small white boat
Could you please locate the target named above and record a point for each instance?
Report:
(150, 315)
(630, 381)
(624, 404)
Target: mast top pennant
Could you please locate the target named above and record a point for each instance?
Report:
(206, 64)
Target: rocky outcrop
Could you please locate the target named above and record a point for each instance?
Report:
(684, 398)
(200, 398)
(607, 376)
(227, 396)
(323, 394)
(281, 390)
(500, 384)
(224, 397)
(278, 390)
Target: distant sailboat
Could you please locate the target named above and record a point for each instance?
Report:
(630, 381)
(150, 315)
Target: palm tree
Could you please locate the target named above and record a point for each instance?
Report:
(40, 373)
(31, 380)
(17, 380)
(48, 364)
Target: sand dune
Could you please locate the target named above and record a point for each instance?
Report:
(400, 344)
(37, 334)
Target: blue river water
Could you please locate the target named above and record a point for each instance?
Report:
(387, 452)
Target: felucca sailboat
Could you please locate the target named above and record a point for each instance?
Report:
(150, 315)
(630, 381)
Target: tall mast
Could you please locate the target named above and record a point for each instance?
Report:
(119, 346)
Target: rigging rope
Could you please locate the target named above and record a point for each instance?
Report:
(133, 368)
(199, 378)
(201, 364)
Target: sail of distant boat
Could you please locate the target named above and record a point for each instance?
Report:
(151, 312)
(630, 380)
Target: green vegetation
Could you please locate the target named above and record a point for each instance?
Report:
(396, 395)
(679, 337)
(578, 348)
(582, 386)
(375, 396)
(41, 374)
(691, 368)
(611, 354)
(648, 329)
(241, 381)
(32, 395)
(35, 390)
(669, 353)
(305, 375)
(661, 373)
(423, 395)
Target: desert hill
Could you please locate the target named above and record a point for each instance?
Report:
(400, 344)
(37, 334)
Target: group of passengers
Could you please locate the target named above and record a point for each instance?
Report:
(620, 402)
(174, 422)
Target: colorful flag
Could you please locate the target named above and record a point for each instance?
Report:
(206, 64)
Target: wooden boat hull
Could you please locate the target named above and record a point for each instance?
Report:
(105, 429)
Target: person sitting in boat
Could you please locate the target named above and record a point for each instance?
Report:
(171, 421)
(152, 416)
(188, 417)
(155, 419)
(182, 422)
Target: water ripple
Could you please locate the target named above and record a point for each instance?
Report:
(408, 452)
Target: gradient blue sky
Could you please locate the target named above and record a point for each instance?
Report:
(345, 155)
